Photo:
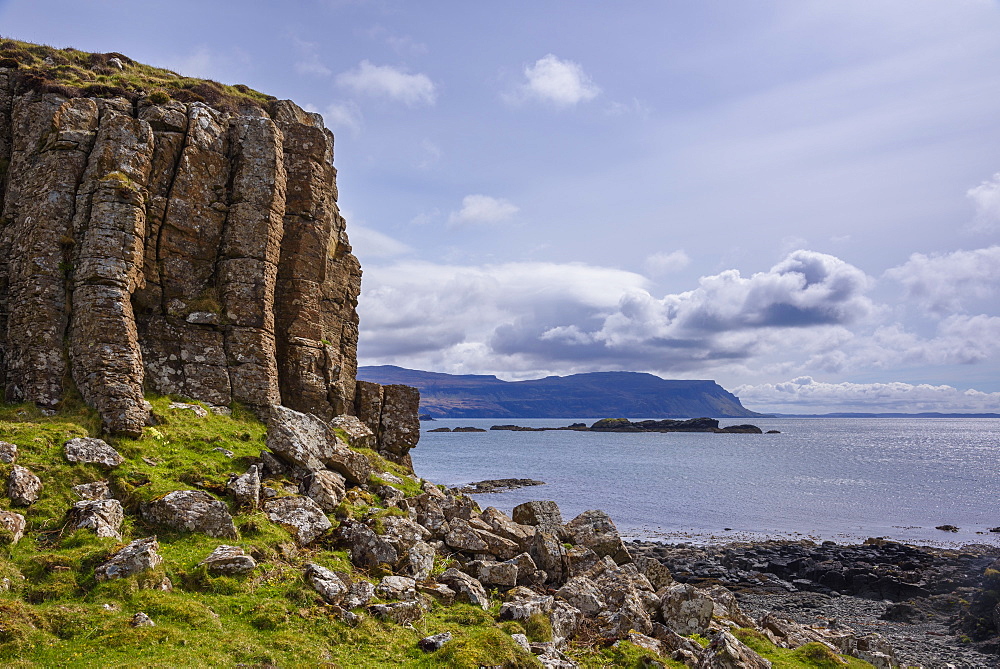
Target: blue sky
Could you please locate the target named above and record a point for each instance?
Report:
(798, 199)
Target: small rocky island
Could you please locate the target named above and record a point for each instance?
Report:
(625, 425)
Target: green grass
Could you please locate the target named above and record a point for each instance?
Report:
(812, 655)
(76, 73)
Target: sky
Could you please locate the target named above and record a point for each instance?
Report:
(799, 199)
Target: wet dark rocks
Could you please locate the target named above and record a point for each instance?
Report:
(496, 485)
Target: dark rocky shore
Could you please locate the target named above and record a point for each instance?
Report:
(933, 605)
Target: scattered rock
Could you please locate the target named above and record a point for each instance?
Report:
(330, 586)
(366, 548)
(23, 487)
(139, 556)
(229, 561)
(13, 523)
(103, 516)
(300, 515)
(359, 594)
(401, 613)
(93, 491)
(198, 411)
(245, 489)
(467, 589)
(434, 642)
(8, 452)
(140, 619)
(326, 488)
(193, 511)
(396, 587)
(727, 652)
(947, 528)
(92, 450)
(358, 434)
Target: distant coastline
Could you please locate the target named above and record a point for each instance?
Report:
(925, 414)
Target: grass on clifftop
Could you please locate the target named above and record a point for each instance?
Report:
(53, 612)
(74, 73)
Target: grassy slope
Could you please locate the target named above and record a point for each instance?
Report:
(54, 612)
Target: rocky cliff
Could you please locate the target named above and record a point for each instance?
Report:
(150, 243)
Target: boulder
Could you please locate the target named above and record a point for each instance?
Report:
(366, 548)
(526, 605)
(310, 445)
(330, 586)
(23, 487)
(726, 607)
(528, 572)
(657, 573)
(427, 511)
(402, 532)
(507, 528)
(399, 425)
(578, 560)
(565, 620)
(13, 523)
(727, 652)
(103, 516)
(544, 515)
(401, 613)
(358, 434)
(93, 491)
(193, 511)
(595, 530)
(92, 450)
(137, 557)
(582, 593)
(8, 452)
(229, 561)
(300, 515)
(548, 553)
(198, 411)
(467, 589)
(685, 609)
(490, 572)
(245, 489)
(396, 587)
(462, 537)
(326, 488)
(418, 561)
(140, 619)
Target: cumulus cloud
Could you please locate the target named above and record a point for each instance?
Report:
(944, 283)
(521, 316)
(389, 82)
(483, 209)
(664, 263)
(986, 199)
(806, 395)
(562, 83)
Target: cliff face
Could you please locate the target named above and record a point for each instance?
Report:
(175, 248)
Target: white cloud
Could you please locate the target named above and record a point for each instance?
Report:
(945, 283)
(343, 115)
(562, 83)
(986, 198)
(806, 395)
(572, 317)
(389, 82)
(665, 263)
(483, 209)
(368, 243)
(431, 154)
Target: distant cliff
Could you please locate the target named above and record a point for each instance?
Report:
(597, 394)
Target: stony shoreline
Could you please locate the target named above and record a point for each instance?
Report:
(917, 597)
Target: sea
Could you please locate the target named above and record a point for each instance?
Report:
(824, 479)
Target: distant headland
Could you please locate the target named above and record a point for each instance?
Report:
(625, 394)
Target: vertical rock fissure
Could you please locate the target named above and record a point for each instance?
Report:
(110, 230)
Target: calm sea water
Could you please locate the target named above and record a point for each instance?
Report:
(838, 478)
